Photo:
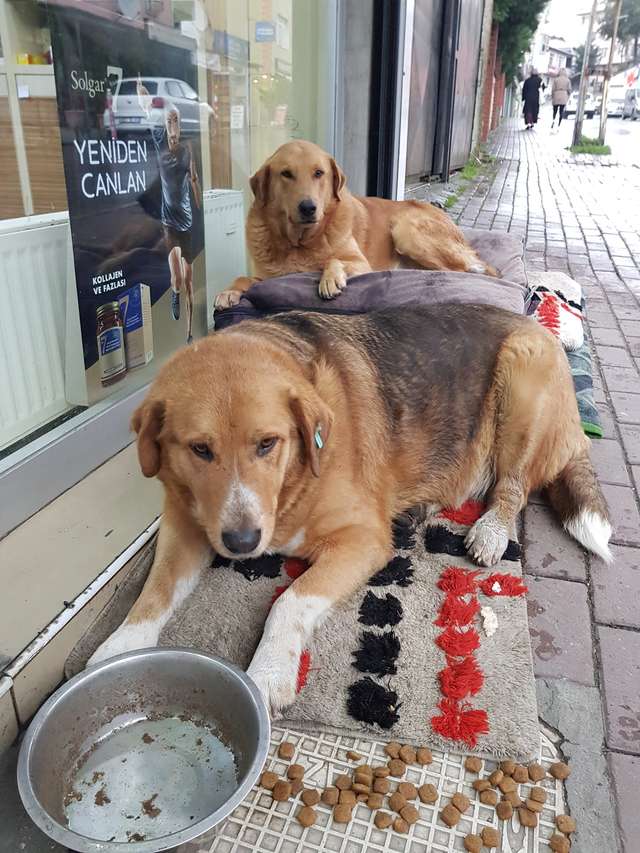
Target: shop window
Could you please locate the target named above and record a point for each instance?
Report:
(97, 232)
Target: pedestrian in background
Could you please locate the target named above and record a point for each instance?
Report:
(560, 90)
(531, 98)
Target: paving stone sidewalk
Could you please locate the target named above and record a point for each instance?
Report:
(583, 219)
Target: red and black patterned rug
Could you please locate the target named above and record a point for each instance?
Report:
(432, 651)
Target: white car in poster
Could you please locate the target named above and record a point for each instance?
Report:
(128, 114)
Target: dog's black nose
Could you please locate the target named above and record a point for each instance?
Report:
(242, 541)
(307, 208)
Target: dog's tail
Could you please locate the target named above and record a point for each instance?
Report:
(577, 498)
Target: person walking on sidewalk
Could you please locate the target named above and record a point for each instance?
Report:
(531, 98)
(560, 91)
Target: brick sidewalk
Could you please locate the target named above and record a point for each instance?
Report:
(584, 617)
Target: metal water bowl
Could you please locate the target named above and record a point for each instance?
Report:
(143, 752)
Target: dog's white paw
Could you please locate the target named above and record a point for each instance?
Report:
(331, 284)
(127, 638)
(227, 298)
(487, 540)
(275, 672)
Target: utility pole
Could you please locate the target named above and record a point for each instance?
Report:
(605, 88)
(584, 77)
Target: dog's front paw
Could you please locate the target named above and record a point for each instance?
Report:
(227, 299)
(333, 282)
(127, 638)
(275, 672)
(487, 540)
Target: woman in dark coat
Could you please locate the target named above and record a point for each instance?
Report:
(531, 98)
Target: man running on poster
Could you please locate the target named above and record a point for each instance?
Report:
(177, 171)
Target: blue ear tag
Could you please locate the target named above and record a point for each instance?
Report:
(318, 438)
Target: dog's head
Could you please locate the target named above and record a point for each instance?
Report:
(298, 185)
(231, 426)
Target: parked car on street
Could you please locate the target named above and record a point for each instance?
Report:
(590, 106)
(128, 113)
(631, 108)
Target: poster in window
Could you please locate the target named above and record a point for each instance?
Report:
(130, 120)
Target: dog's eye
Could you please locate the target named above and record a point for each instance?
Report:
(202, 451)
(286, 174)
(318, 173)
(266, 446)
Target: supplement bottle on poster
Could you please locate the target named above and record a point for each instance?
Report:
(110, 336)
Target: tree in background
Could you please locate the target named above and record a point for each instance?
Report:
(629, 26)
(518, 20)
(594, 58)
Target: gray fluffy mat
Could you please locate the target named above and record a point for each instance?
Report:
(373, 666)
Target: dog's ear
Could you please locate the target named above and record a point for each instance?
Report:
(339, 180)
(314, 420)
(147, 422)
(259, 184)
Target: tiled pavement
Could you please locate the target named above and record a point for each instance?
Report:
(585, 616)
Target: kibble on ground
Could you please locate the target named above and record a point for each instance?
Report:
(268, 780)
(450, 815)
(504, 810)
(507, 767)
(536, 772)
(559, 844)
(520, 774)
(538, 794)
(490, 837)
(461, 802)
(408, 754)
(410, 813)
(393, 749)
(353, 756)
(473, 843)
(330, 796)
(560, 770)
(307, 816)
(507, 784)
(473, 764)
(296, 786)
(286, 750)
(496, 777)
(527, 817)
(408, 790)
(381, 772)
(566, 824)
(481, 785)
(295, 771)
(400, 825)
(514, 798)
(281, 790)
(428, 793)
(397, 801)
(423, 755)
(381, 786)
(489, 797)
(343, 782)
(310, 797)
(375, 801)
(347, 798)
(342, 813)
(397, 767)
(383, 820)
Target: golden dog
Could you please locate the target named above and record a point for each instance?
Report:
(304, 219)
(306, 435)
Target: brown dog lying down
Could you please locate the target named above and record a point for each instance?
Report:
(304, 219)
(306, 435)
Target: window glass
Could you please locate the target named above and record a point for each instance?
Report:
(123, 202)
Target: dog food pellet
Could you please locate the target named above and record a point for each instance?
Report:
(534, 806)
(450, 815)
(281, 791)
(507, 784)
(410, 813)
(504, 810)
(538, 794)
(536, 772)
(393, 749)
(559, 844)
(342, 813)
(472, 843)
(507, 767)
(286, 750)
(362, 779)
(268, 780)
(427, 793)
(489, 797)
(559, 770)
(514, 798)
(361, 789)
(347, 798)
(374, 801)
(381, 772)
(353, 756)
(520, 774)
(295, 771)
(343, 782)
(461, 802)
(490, 836)
(365, 769)
(330, 796)
(381, 786)
(310, 797)
(408, 791)
(307, 816)
(296, 786)
(408, 754)
(527, 818)
(362, 798)
(397, 767)
(423, 755)
(473, 765)
(383, 820)
(397, 801)
(400, 825)
(496, 777)
(566, 824)
(481, 784)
